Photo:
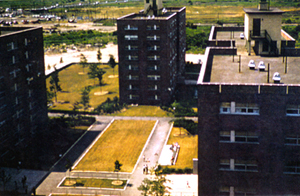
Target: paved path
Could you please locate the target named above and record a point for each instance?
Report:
(152, 151)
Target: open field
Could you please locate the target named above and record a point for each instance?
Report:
(92, 182)
(188, 147)
(73, 80)
(122, 141)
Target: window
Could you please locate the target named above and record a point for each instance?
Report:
(153, 48)
(153, 87)
(153, 77)
(292, 110)
(292, 167)
(133, 87)
(25, 42)
(238, 165)
(133, 67)
(131, 77)
(239, 108)
(292, 139)
(132, 57)
(129, 47)
(129, 27)
(131, 37)
(153, 68)
(152, 27)
(238, 136)
(133, 97)
(153, 37)
(236, 191)
(26, 55)
(153, 58)
(11, 46)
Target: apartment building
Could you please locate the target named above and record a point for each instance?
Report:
(23, 106)
(151, 46)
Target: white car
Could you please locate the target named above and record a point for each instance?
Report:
(251, 64)
(242, 36)
(261, 66)
(276, 77)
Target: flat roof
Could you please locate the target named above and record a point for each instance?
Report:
(14, 30)
(141, 16)
(224, 70)
(257, 11)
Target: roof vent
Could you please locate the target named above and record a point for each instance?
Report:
(264, 5)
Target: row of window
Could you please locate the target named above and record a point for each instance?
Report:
(149, 48)
(236, 191)
(135, 58)
(149, 77)
(149, 67)
(135, 28)
(252, 137)
(239, 108)
(238, 165)
(253, 109)
(149, 87)
(136, 97)
(135, 37)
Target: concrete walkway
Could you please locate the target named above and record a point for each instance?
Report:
(151, 152)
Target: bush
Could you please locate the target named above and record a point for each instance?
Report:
(109, 106)
(189, 125)
(167, 170)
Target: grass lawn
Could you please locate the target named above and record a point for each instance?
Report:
(72, 81)
(92, 182)
(144, 110)
(188, 147)
(122, 141)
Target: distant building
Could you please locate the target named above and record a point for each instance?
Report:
(263, 26)
(152, 45)
(23, 102)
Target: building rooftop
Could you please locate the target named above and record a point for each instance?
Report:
(224, 70)
(257, 11)
(11, 30)
(169, 11)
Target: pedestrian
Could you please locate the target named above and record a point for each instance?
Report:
(144, 158)
(146, 169)
(148, 160)
(143, 169)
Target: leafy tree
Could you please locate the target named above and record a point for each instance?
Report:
(54, 83)
(156, 186)
(99, 55)
(50, 96)
(83, 61)
(4, 178)
(85, 97)
(96, 72)
(112, 63)
(118, 166)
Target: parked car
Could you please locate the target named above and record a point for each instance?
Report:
(276, 77)
(261, 66)
(242, 36)
(251, 64)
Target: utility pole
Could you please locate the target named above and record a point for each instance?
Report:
(268, 76)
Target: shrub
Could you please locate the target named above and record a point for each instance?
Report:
(189, 125)
(187, 170)
(109, 106)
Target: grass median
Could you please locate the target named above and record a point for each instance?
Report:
(122, 141)
(188, 147)
(93, 182)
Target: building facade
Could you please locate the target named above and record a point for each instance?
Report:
(151, 46)
(23, 102)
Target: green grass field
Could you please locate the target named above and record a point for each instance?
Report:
(122, 141)
(72, 81)
(92, 182)
(188, 147)
(143, 110)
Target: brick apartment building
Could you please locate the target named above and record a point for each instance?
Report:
(249, 127)
(23, 107)
(151, 46)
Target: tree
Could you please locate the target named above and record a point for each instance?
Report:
(155, 187)
(4, 178)
(112, 63)
(85, 97)
(99, 55)
(54, 83)
(96, 72)
(83, 61)
(117, 166)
